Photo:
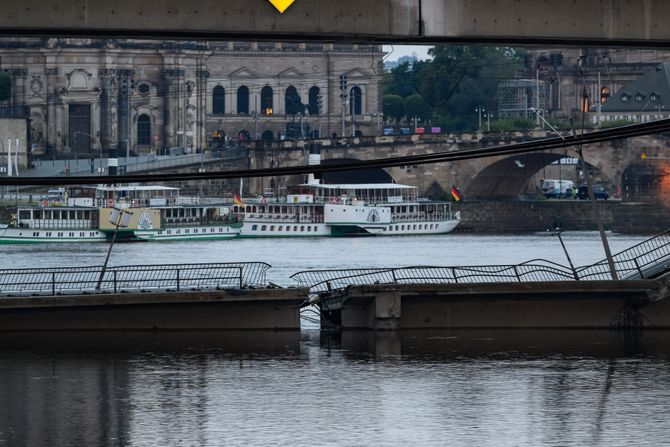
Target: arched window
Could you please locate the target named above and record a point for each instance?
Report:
(355, 101)
(218, 100)
(143, 130)
(314, 103)
(292, 103)
(266, 101)
(243, 99)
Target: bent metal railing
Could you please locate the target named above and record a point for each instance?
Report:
(647, 259)
(177, 277)
(535, 270)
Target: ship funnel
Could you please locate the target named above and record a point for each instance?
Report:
(314, 160)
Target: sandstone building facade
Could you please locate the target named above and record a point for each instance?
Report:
(88, 97)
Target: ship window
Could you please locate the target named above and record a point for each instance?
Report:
(402, 227)
(272, 228)
(60, 234)
(73, 214)
(169, 231)
(288, 228)
(263, 228)
(24, 214)
(36, 233)
(284, 210)
(195, 230)
(295, 228)
(71, 234)
(302, 228)
(91, 234)
(49, 234)
(37, 214)
(280, 228)
(178, 231)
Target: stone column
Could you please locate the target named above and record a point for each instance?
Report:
(52, 97)
(107, 82)
(124, 83)
(170, 92)
(201, 123)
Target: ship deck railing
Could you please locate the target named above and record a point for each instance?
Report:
(129, 278)
(422, 217)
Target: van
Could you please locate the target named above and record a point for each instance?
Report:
(599, 192)
(557, 188)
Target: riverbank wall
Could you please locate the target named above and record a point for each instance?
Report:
(568, 215)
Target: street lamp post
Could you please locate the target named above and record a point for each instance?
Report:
(488, 121)
(120, 218)
(254, 114)
(480, 110)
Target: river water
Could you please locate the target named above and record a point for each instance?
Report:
(436, 388)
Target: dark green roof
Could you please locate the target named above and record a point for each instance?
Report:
(645, 94)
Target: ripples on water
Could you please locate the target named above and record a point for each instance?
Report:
(502, 388)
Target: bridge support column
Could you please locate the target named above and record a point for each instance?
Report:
(387, 311)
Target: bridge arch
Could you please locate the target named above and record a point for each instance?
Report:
(508, 178)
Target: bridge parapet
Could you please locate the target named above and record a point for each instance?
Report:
(486, 138)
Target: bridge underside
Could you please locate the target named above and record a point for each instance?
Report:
(507, 178)
(521, 21)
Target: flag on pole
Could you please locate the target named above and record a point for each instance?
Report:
(237, 200)
(456, 194)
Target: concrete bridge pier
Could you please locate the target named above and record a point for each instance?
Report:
(624, 304)
(388, 310)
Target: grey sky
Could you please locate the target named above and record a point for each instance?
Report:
(396, 51)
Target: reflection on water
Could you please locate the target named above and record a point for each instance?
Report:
(511, 387)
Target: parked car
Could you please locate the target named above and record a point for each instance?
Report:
(599, 192)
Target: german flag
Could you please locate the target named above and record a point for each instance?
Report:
(237, 200)
(456, 194)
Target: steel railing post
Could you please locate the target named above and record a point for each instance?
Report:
(637, 266)
(53, 283)
(177, 280)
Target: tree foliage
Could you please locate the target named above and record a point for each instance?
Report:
(392, 107)
(5, 86)
(416, 106)
(456, 81)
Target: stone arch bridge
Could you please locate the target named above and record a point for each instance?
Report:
(496, 177)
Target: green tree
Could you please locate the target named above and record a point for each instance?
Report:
(5, 86)
(463, 78)
(403, 80)
(392, 106)
(416, 106)
(456, 81)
